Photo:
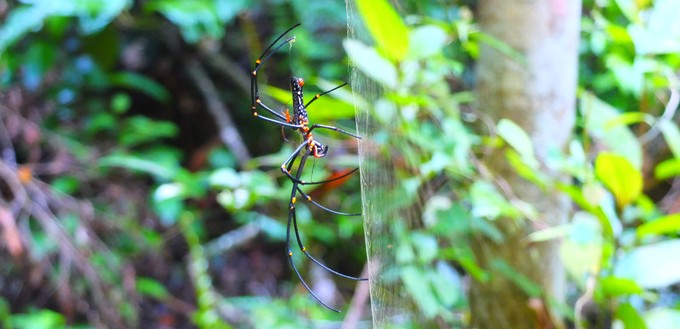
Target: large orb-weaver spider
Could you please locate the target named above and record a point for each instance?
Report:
(309, 147)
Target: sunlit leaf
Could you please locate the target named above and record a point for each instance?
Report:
(581, 251)
(516, 137)
(41, 319)
(368, 60)
(629, 118)
(196, 19)
(386, 26)
(664, 225)
(615, 287)
(597, 114)
(425, 41)
(662, 318)
(660, 33)
(667, 169)
(652, 266)
(672, 136)
(19, 22)
(225, 178)
(619, 176)
(420, 290)
(629, 9)
(630, 317)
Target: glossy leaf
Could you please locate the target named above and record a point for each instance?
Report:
(196, 19)
(664, 225)
(369, 61)
(386, 26)
(630, 317)
(660, 33)
(615, 287)
(662, 318)
(619, 176)
(420, 290)
(667, 169)
(653, 266)
(597, 115)
(672, 136)
(519, 140)
(425, 41)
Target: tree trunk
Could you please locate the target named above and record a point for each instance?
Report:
(538, 94)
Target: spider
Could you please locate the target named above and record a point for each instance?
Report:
(309, 147)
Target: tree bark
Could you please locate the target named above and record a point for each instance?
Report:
(538, 94)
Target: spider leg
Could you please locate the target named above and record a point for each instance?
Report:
(254, 86)
(292, 219)
(309, 198)
(287, 165)
(316, 125)
(317, 96)
(297, 232)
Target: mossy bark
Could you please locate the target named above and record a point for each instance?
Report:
(537, 91)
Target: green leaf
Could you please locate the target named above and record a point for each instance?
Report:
(581, 251)
(323, 109)
(667, 169)
(386, 26)
(196, 19)
(619, 139)
(630, 317)
(20, 21)
(134, 163)
(663, 225)
(225, 178)
(420, 290)
(653, 266)
(518, 139)
(425, 41)
(660, 33)
(141, 83)
(42, 319)
(619, 176)
(368, 60)
(152, 288)
(616, 287)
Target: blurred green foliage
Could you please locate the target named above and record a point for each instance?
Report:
(99, 88)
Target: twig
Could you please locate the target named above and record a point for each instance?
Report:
(228, 132)
(232, 239)
(6, 147)
(228, 68)
(359, 300)
(668, 112)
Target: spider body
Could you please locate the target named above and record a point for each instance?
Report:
(309, 146)
(300, 118)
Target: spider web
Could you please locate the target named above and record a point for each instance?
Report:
(383, 199)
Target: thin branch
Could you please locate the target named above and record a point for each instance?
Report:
(232, 239)
(668, 112)
(228, 132)
(358, 303)
(6, 147)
